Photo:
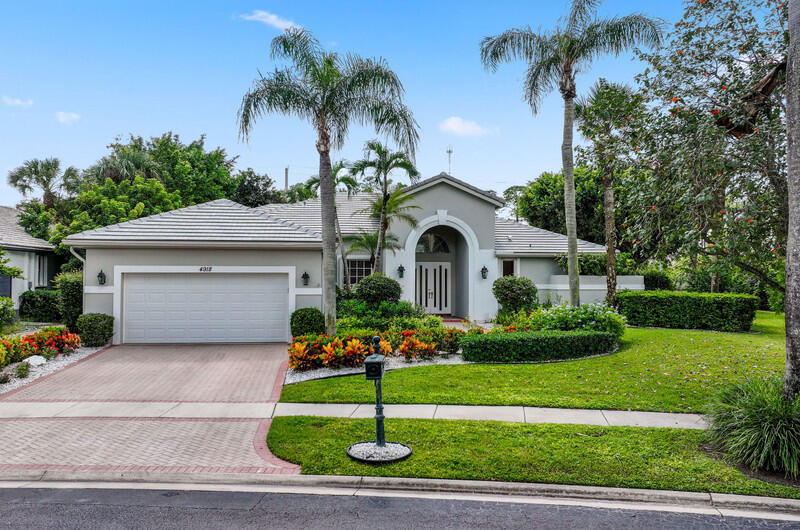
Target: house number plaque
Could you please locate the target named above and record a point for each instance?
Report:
(205, 269)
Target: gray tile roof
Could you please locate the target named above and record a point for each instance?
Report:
(217, 222)
(352, 211)
(486, 195)
(521, 239)
(13, 236)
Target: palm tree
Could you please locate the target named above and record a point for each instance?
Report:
(125, 164)
(554, 58)
(368, 242)
(602, 115)
(389, 209)
(45, 175)
(382, 165)
(331, 92)
(341, 179)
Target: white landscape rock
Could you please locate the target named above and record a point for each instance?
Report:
(35, 360)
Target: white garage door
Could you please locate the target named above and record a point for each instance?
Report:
(185, 307)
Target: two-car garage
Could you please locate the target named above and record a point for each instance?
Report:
(204, 307)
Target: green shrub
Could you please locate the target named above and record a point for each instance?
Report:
(23, 369)
(360, 309)
(589, 317)
(40, 305)
(752, 421)
(377, 288)
(70, 297)
(95, 329)
(675, 309)
(381, 323)
(7, 313)
(656, 280)
(588, 264)
(533, 346)
(515, 293)
(307, 321)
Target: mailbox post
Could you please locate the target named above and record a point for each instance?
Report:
(379, 451)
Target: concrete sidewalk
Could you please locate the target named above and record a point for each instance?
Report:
(266, 410)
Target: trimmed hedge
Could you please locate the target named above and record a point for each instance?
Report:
(95, 329)
(307, 321)
(40, 305)
(657, 280)
(70, 297)
(533, 346)
(377, 288)
(685, 310)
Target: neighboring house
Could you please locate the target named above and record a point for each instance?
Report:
(222, 272)
(33, 255)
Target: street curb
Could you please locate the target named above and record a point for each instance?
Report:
(399, 484)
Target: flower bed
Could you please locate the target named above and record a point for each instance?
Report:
(49, 342)
(350, 348)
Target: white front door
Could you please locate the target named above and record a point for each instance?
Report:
(434, 286)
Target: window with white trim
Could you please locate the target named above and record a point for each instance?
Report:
(41, 270)
(357, 269)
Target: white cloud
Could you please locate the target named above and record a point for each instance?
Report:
(67, 117)
(461, 127)
(269, 19)
(17, 102)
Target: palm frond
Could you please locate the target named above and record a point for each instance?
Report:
(540, 79)
(581, 13)
(278, 92)
(512, 44)
(617, 35)
(301, 48)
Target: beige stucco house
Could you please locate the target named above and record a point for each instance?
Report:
(222, 272)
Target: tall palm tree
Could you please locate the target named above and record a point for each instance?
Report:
(368, 242)
(125, 164)
(45, 175)
(331, 92)
(382, 165)
(602, 115)
(554, 58)
(342, 181)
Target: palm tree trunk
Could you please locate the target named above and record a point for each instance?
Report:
(611, 241)
(382, 228)
(791, 378)
(569, 202)
(345, 271)
(328, 207)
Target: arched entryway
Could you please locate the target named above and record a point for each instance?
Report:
(441, 272)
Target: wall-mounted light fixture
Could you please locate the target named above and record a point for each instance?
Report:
(305, 277)
(484, 272)
(101, 278)
(400, 271)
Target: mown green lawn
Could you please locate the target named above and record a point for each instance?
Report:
(630, 457)
(654, 369)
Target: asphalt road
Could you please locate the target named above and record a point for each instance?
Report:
(108, 508)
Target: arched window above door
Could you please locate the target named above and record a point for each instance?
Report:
(431, 243)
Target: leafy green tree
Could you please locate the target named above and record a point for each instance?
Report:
(710, 141)
(45, 175)
(512, 195)
(381, 162)
(112, 203)
(554, 58)
(331, 92)
(603, 117)
(542, 203)
(253, 189)
(36, 219)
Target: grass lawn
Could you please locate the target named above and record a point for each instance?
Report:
(655, 369)
(629, 457)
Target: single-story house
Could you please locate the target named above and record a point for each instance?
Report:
(223, 272)
(33, 255)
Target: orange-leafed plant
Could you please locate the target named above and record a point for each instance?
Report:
(299, 358)
(354, 353)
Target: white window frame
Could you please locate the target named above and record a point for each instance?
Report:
(350, 260)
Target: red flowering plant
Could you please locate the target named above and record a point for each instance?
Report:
(452, 341)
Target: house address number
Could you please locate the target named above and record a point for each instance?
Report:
(205, 269)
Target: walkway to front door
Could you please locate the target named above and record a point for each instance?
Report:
(434, 289)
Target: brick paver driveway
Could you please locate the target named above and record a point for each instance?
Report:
(227, 373)
(210, 383)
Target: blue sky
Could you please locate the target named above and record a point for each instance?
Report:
(74, 75)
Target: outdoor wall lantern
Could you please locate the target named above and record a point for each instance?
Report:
(101, 277)
(484, 272)
(305, 277)
(400, 271)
